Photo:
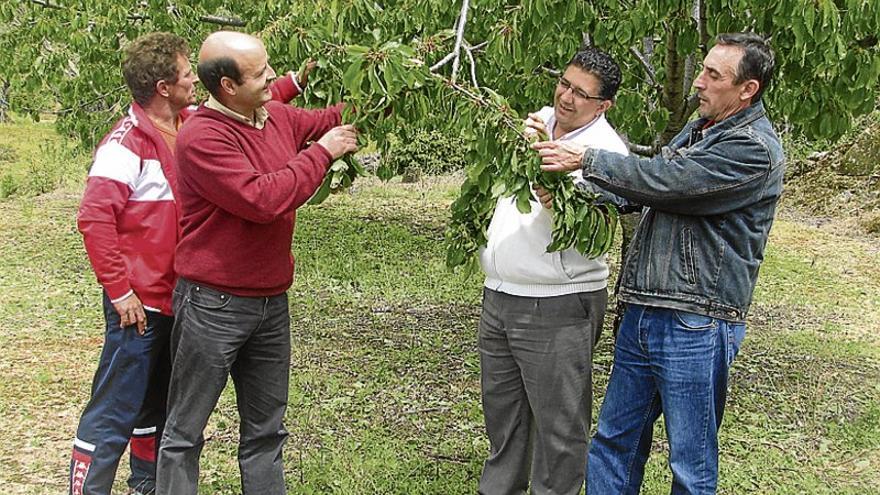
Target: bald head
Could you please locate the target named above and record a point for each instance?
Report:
(234, 68)
(228, 44)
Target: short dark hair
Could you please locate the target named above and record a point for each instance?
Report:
(149, 59)
(602, 66)
(212, 71)
(757, 61)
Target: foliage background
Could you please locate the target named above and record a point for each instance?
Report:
(69, 52)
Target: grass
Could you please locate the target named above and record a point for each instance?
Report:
(384, 390)
(35, 160)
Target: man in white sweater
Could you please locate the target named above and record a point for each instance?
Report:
(543, 312)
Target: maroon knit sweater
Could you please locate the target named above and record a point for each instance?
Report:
(239, 189)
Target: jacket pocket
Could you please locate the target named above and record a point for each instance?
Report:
(688, 266)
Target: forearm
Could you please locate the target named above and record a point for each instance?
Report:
(96, 221)
(285, 89)
(692, 184)
(231, 182)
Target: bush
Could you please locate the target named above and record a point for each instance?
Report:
(423, 152)
(58, 164)
(8, 186)
(7, 153)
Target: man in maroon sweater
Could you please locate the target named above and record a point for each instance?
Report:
(244, 166)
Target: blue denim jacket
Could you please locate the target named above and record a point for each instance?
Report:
(710, 197)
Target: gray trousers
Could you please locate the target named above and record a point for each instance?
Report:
(536, 370)
(217, 334)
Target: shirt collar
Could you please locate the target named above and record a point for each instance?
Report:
(574, 133)
(261, 115)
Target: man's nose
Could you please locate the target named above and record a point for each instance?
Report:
(569, 93)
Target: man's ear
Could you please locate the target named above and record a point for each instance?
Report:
(162, 88)
(228, 85)
(749, 89)
(604, 106)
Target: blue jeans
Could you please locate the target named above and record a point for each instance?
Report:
(671, 362)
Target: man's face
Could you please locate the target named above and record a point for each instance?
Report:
(576, 101)
(719, 96)
(183, 93)
(257, 75)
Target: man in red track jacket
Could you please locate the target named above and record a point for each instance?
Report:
(244, 165)
(129, 221)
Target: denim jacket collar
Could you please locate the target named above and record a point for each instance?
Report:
(742, 118)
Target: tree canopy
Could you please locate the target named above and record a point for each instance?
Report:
(480, 65)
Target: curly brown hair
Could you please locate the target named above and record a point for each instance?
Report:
(150, 59)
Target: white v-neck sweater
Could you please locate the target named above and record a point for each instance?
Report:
(515, 258)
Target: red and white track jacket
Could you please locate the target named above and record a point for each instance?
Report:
(128, 216)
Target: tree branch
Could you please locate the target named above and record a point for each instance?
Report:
(459, 36)
(455, 54)
(470, 55)
(443, 61)
(223, 21)
(586, 41)
(210, 19)
(701, 24)
(478, 99)
(649, 70)
(548, 70)
(46, 4)
(81, 106)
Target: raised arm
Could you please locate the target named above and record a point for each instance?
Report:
(693, 181)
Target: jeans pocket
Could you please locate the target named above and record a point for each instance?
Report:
(694, 321)
(736, 333)
(205, 298)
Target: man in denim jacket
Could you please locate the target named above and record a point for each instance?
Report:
(690, 271)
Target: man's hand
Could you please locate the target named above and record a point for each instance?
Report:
(340, 140)
(303, 77)
(559, 156)
(535, 126)
(131, 312)
(544, 196)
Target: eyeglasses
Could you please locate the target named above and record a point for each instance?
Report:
(566, 84)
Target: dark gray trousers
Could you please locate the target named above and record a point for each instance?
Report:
(217, 334)
(536, 370)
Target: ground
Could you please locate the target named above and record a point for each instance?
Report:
(384, 391)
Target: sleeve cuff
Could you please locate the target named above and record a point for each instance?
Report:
(323, 151)
(117, 292)
(587, 160)
(294, 78)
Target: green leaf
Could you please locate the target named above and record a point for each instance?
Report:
(522, 201)
(322, 193)
(353, 76)
(384, 172)
(498, 189)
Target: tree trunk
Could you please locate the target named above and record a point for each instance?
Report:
(4, 101)
(673, 97)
